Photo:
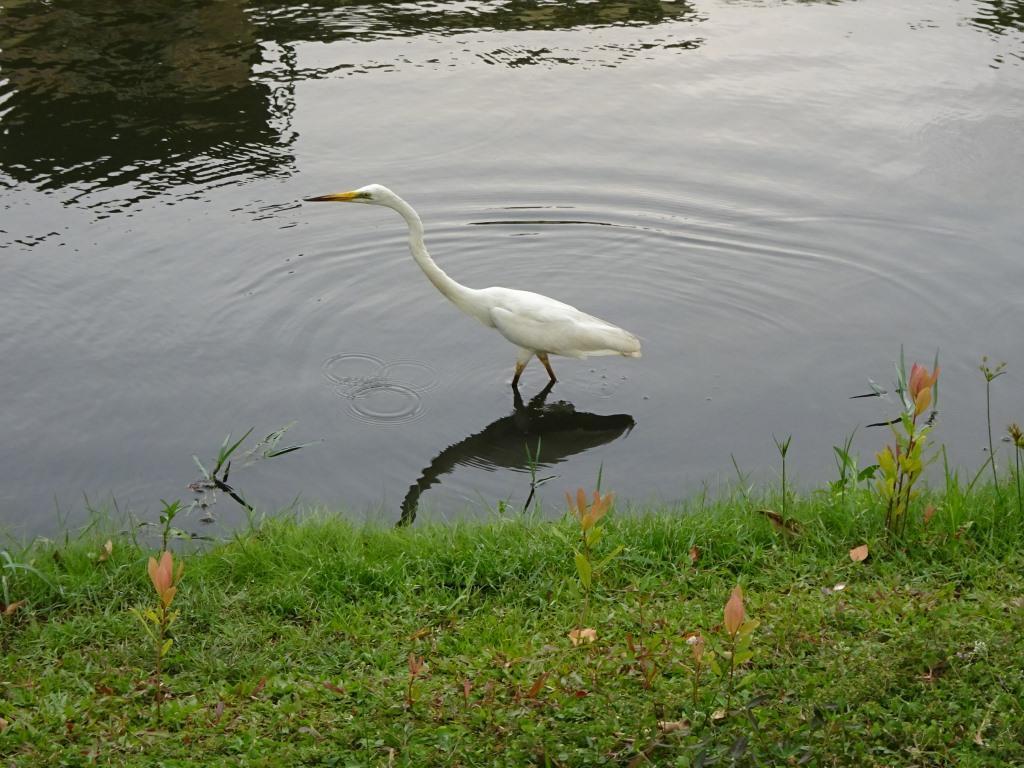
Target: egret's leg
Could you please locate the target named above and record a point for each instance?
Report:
(521, 360)
(547, 365)
(519, 372)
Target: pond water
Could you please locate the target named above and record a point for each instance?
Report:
(773, 195)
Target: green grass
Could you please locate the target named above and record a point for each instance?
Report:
(293, 644)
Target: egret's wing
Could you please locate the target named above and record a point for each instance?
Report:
(542, 324)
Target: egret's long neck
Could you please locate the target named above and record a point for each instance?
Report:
(460, 295)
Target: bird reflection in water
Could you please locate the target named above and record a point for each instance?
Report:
(563, 431)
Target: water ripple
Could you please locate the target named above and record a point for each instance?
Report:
(380, 392)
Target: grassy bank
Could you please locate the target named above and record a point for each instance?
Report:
(316, 642)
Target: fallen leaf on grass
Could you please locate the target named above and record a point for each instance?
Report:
(671, 726)
(580, 636)
(259, 687)
(718, 714)
(10, 609)
(929, 513)
(780, 523)
(935, 672)
(420, 633)
(694, 555)
(859, 554)
(3, 725)
(538, 684)
(106, 552)
(334, 688)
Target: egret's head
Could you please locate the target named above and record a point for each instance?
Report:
(374, 194)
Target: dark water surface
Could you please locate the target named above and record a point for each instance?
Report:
(773, 195)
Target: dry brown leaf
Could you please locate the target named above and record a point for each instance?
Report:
(580, 636)
(696, 643)
(719, 714)
(929, 513)
(670, 726)
(334, 688)
(3, 725)
(859, 554)
(734, 612)
(538, 684)
(694, 555)
(10, 609)
(259, 687)
(106, 552)
(780, 523)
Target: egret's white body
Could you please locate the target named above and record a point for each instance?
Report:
(536, 324)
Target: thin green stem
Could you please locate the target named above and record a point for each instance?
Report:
(1020, 504)
(160, 660)
(991, 448)
(732, 672)
(783, 484)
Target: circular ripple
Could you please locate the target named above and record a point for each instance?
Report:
(356, 374)
(387, 404)
(413, 374)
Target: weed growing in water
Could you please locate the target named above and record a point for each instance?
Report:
(217, 478)
(156, 621)
(533, 464)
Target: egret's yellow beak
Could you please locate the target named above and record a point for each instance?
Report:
(337, 197)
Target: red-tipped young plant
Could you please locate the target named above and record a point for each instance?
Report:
(1017, 441)
(740, 631)
(589, 517)
(156, 621)
(901, 465)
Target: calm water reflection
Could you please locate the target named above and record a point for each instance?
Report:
(775, 196)
(536, 433)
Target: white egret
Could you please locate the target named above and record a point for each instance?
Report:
(537, 324)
